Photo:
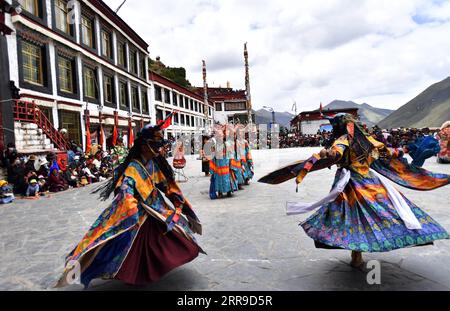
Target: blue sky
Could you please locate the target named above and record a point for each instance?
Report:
(382, 52)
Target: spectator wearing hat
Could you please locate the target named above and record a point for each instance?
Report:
(43, 187)
(6, 194)
(33, 189)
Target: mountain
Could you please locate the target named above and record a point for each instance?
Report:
(368, 114)
(282, 118)
(429, 109)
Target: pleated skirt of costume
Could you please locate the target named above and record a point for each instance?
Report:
(247, 172)
(363, 219)
(153, 253)
(222, 176)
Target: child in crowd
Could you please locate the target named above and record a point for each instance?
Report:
(33, 189)
(6, 194)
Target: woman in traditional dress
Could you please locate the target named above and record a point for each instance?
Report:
(139, 237)
(363, 212)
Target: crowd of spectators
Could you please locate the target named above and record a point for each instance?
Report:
(33, 176)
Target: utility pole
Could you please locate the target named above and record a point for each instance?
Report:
(247, 87)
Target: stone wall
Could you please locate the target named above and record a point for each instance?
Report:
(31, 139)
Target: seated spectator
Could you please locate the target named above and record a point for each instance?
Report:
(71, 176)
(56, 182)
(16, 177)
(84, 181)
(43, 187)
(33, 189)
(6, 194)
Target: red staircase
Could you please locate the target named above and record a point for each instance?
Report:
(25, 111)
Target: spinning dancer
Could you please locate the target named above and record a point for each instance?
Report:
(364, 212)
(139, 237)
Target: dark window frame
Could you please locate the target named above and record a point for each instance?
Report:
(158, 91)
(133, 108)
(113, 103)
(72, 35)
(145, 103)
(111, 47)
(127, 96)
(75, 83)
(42, 18)
(91, 17)
(122, 41)
(92, 100)
(166, 98)
(46, 68)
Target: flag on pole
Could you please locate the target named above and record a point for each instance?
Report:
(88, 133)
(115, 130)
(130, 134)
(163, 124)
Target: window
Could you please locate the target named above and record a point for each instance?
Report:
(191, 104)
(144, 102)
(181, 101)
(135, 99)
(61, 20)
(106, 44)
(158, 93)
(87, 32)
(133, 62)
(182, 120)
(192, 121)
(188, 120)
(159, 115)
(218, 106)
(71, 121)
(108, 89)
(235, 106)
(31, 6)
(142, 68)
(89, 83)
(32, 63)
(166, 96)
(175, 119)
(123, 95)
(122, 54)
(65, 74)
(174, 99)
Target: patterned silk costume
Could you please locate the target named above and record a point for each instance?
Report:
(219, 166)
(444, 141)
(140, 237)
(363, 212)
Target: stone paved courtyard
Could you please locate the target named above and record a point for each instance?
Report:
(251, 244)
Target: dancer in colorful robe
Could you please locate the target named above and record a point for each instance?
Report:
(140, 237)
(444, 141)
(221, 180)
(237, 176)
(363, 212)
(244, 154)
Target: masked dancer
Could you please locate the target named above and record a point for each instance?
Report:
(364, 212)
(141, 236)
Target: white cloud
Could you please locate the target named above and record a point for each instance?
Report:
(376, 51)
